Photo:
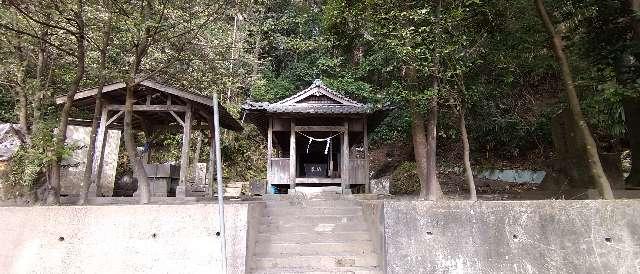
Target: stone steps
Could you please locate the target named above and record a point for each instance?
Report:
(313, 219)
(297, 210)
(319, 233)
(313, 237)
(285, 249)
(321, 227)
(318, 262)
(324, 270)
(313, 203)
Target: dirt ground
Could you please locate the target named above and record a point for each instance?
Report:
(454, 187)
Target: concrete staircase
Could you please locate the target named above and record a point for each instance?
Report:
(319, 234)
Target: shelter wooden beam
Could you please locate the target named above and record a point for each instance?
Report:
(320, 128)
(114, 117)
(173, 113)
(178, 108)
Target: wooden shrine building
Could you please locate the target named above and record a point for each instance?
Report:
(156, 107)
(316, 137)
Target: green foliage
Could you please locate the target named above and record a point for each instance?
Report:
(504, 133)
(494, 54)
(7, 105)
(395, 128)
(405, 180)
(28, 164)
(166, 147)
(244, 155)
(271, 89)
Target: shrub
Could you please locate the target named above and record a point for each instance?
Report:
(405, 180)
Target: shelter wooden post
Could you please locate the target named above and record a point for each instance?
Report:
(181, 190)
(269, 152)
(196, 156)
(292, 156)
(365, 141)
(98, 158)
(345, 157)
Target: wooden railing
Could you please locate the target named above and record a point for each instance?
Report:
(357, 171)
(280, 171)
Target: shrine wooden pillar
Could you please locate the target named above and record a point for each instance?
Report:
(269, 153)
(345, 158)
(292, 156)
(365, 141)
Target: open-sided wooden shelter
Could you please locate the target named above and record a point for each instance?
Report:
(316, 137)
(157, 106)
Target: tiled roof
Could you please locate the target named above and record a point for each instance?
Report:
(291, 105)
(319, 109)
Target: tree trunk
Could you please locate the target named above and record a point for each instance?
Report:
(583, 132)
(91, 149)
(632, 123)
(130, 145)
(468, 173)
(634, 5)
(432, 191)
(43, 77)
(135, 162)
(53, 197)
(21, 93)
(256, 59)
(419, 147)
(233, 50)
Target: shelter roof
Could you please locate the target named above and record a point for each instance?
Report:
(157, 93)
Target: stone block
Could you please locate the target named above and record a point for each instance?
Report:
(380, 185)
(73, 167)
(258, 187)
(159, 186)
(158, 170)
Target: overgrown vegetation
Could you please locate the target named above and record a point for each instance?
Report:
(27, 169)
(405, 180)
(487, 62)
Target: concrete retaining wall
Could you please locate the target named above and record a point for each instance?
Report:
(121, 239)
(373, 212)
(512, 237)
(413, 237)
(254, 220)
